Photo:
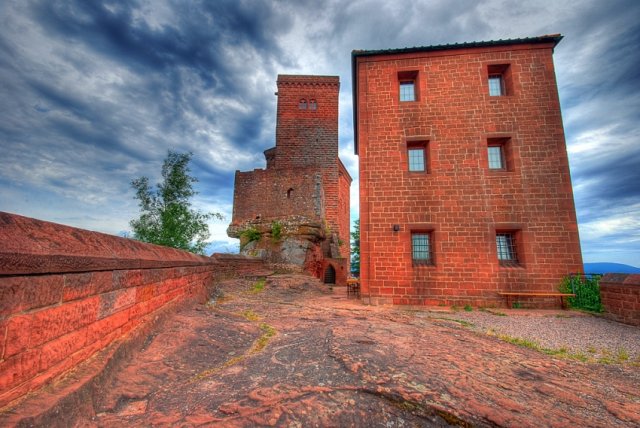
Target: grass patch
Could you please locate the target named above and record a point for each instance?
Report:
(268, 333)
(258, 286)
(258, 345)
(468, 308)
(249, 315)
(461, 322)
(493, 312)
(520, 342)
(621, 356)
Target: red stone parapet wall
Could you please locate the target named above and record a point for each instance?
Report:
(67, 293)
(620, 294)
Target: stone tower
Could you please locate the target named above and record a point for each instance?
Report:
(296, 211)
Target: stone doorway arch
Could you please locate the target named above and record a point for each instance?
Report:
(330, 275)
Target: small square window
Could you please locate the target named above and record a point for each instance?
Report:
(407, 90)
(499, 80)
(421, 248)
(496, 157)
(506, 247)
(416, 159)
(418, 156)
(499, 154)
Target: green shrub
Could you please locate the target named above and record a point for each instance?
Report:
(276, 230)
(586, 289)
(251, 234)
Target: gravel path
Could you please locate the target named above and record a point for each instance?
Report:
(585, 336)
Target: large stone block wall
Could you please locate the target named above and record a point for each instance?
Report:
(272, 194)
(458, 199)
(67, 293)
(620, 294)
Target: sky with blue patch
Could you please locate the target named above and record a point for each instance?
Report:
(94, 94)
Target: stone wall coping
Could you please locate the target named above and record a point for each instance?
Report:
(31, 246)
(620, 278)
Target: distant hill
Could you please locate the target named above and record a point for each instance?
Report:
(609, 268)
(222, 247)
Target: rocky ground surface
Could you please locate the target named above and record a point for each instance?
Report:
(290, 352)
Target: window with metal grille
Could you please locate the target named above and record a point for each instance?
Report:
(496, 157)
(407, 90)
(506, 246)
(416, 159)
(421, 248)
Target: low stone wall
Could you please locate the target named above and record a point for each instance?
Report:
(238, 265)
(67, 293)
(620, 294)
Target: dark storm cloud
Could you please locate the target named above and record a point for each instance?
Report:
(601, 106)
(185, 53)
(615, 180)
(195, 41)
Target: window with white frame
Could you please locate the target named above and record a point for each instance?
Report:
(416, 159)
(496, 157)
(407, 90)
(496, 85)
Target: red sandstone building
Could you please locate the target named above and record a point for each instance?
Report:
(299, 204)
(464, 179)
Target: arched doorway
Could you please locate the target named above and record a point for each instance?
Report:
(330, 275)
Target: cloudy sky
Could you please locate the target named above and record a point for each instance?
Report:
(93, 94)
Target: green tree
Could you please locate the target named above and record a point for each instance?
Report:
(355, 248)
(166, 215)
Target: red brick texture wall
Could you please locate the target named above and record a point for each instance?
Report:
(344, 217)
(306, 137)
(620, 294)
(458, 200)
(67, 293)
